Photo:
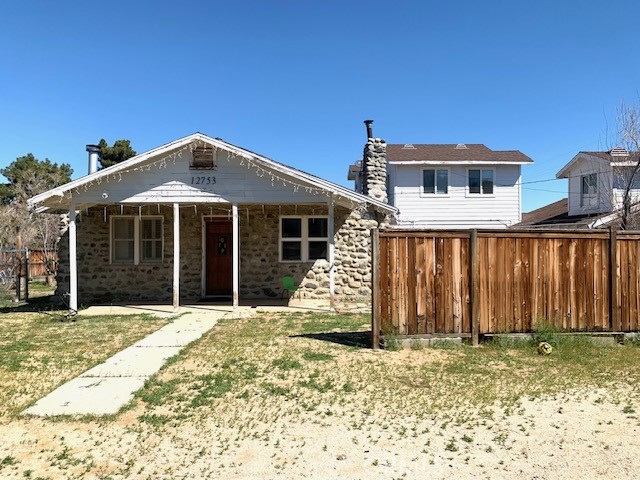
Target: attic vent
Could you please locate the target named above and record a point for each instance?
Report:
(408, 146)
(461, 146)
(203, 159)
(619, 152)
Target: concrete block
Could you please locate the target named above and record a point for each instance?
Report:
(604, 341)
(88, 396)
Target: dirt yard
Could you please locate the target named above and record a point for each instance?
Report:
(300, 396)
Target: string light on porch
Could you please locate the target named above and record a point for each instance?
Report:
(252, 163)
(117, 176)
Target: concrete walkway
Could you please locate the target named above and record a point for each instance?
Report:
(105, 388)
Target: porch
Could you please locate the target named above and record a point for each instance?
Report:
(215, 255)
(249, 306)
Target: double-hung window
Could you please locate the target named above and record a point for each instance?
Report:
(589, 190)
(136, 239)
(435, 181)
(481, 181)
(303, 238)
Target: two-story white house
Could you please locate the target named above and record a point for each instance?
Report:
(598, 180)
(449, 185)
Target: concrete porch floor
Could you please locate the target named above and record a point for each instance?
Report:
(246, 307)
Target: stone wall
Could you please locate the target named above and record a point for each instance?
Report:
(261, 271)
(374, 166)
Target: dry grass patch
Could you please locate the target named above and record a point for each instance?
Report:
(38, 352)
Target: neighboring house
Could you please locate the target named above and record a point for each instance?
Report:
(597, 181)
(201, 218)
(596, 185)
(449, 185)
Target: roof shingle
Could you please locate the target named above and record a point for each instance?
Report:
(451, 152)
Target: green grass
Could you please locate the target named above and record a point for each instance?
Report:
(286, 362)
(38, 352)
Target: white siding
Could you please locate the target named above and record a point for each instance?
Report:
(234, 183)
(586, 166)
(458, 209)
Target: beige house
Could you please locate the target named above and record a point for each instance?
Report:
(199, 218)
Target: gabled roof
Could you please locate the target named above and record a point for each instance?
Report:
(610, 157)
(149, 156)
(454, 153)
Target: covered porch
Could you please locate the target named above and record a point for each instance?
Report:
(214, 254)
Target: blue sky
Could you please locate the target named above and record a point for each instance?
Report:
(295, 79)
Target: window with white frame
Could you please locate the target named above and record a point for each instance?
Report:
(481, 181)
(136, 239)
(435, 181)
(304, 238)
(589, 190)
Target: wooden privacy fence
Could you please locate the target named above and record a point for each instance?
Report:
(14, 262)
(480, 282)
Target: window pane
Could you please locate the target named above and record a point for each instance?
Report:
(123, 251)
(428, 181)
(317, 250)
(152, 228)
(474, 181)
(487, 182)
(291, 228)
(443, 181)
(151, 250)
(123, 228)
(291, 250)
(318, 227)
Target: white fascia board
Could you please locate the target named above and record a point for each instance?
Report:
(627, 163)
(564, 171)
(449, 163)
(133, 161)
(140, 159)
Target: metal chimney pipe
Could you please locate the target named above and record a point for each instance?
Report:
(93, 150)
(369, 128)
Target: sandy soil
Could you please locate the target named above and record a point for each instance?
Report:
(561, 438)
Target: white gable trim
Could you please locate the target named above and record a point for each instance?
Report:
(564, 172)
(138, 160)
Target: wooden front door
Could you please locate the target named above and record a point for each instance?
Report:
(219, 257)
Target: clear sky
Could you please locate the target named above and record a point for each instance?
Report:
(294, 80)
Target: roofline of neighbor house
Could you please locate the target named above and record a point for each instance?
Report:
(456, 162)
(563, 173)
(181, 142)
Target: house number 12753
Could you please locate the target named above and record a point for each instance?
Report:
(204, 180)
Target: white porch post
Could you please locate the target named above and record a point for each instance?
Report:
(332, 269)
(236, 253)
(73, 261)
(176, 257)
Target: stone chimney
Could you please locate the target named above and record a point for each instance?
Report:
(374, 166)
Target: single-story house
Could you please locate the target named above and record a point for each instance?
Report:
(200, 218)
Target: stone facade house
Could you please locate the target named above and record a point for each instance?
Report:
(200, 218)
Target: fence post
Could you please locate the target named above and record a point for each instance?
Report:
(27, 267)
(375, 288)
(474, 284)
(613, 280)
(18, 277)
